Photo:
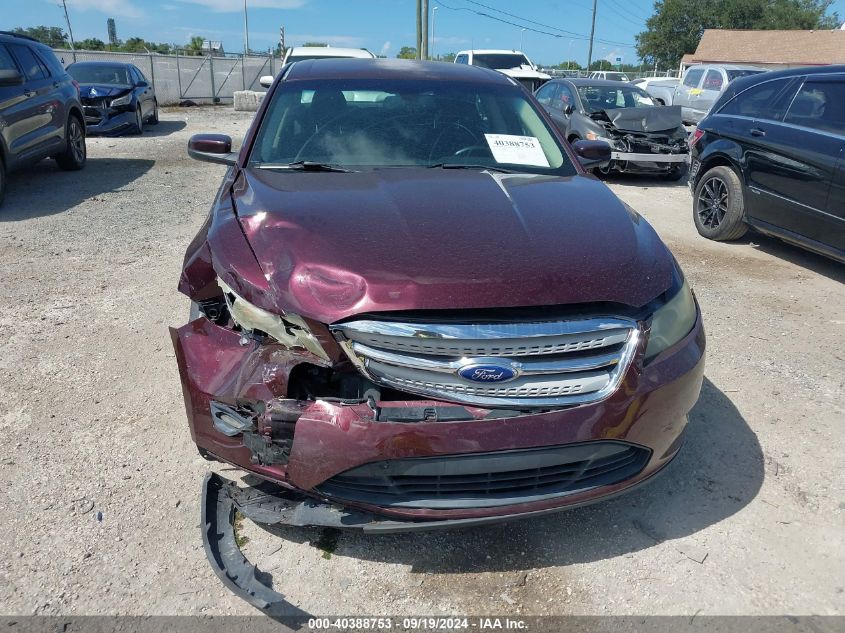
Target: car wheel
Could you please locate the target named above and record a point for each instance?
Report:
(75, 154)
(139, 121)
(154, 116)
(719, 206)
(677, 172)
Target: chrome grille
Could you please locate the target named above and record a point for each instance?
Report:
(546, 363)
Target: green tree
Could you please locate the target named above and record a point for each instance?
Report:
(134, 45)
(50, 35)
(448, 57)
(568, 65)
(601, 64)
(194, 47)
(91, 44)
(677, 25)
(407, 52)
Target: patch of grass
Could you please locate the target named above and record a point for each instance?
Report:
(240, 539)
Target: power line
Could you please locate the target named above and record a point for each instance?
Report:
(561, 33)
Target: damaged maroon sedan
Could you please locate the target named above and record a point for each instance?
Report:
(413, 309)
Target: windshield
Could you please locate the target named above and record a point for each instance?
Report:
(105, 74)
(617, 76)
(360, 124)
(597, 98)
(736, 74)
(499, 60)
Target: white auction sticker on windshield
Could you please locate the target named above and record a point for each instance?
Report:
(517, 150)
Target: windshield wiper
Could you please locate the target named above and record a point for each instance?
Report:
(469, 166)
(304, 165)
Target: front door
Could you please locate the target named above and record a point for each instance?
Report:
(790, 162)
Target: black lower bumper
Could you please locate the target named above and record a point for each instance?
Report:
(272, 505)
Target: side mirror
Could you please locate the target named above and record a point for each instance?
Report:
(568, 110)
(10, 78)
(266, 81)
(592, 153)
(142, 84)
(212, 148)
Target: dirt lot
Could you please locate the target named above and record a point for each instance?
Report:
(99, 481)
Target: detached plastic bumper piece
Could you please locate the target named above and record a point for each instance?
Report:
(218, 534)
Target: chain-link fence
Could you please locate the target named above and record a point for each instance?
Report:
(177, 78)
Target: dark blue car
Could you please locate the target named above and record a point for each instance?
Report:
(117, 98)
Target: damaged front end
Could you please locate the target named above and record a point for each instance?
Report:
(108, 110)
(649, 140)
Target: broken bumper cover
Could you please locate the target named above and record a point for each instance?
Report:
(108, 121)
(272, 505)
(331, 440)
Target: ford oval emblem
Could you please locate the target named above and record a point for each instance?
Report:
(487, 372)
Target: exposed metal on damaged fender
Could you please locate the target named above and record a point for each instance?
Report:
(243, 578)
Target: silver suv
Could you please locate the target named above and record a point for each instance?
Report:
(702, 85)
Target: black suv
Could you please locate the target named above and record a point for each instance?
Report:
(771, 154)
(40, 113)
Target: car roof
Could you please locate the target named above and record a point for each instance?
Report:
(586, 81)
(728, 67)
(103, 63)
(738, 85)
(329, 51)
(495, 51)
(392, 69)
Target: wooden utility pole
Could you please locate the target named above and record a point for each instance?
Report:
(592, 34)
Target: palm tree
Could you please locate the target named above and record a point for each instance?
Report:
(195, 45)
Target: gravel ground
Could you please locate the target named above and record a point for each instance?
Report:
(100, 482)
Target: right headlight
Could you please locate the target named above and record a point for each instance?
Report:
(122, 101)
(671, 322)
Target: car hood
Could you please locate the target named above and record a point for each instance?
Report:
(97, 91)
(332, 245)
(650, 119)
(523, 72)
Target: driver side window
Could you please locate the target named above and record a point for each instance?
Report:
(565, 98)
(546, 94)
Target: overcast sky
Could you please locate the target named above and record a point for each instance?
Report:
(382, 26)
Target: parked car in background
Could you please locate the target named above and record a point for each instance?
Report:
(771, 155)
(609, 75)
(117, 97)
(514, 64)
(662, 89)
(40, 112)
(644, 138)
(701, 85)
(423, 313)
(301, 53)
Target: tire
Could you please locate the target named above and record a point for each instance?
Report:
(139, 120)
(75, 154)
(718, 206)
(676, 173)
(153, 120)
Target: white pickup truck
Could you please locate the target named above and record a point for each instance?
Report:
(514, 64)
